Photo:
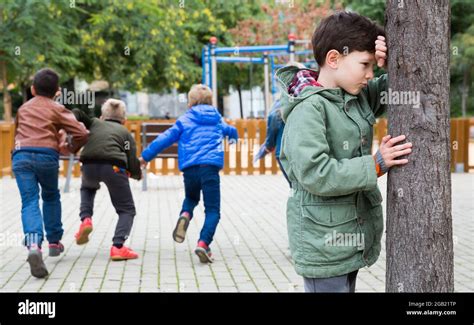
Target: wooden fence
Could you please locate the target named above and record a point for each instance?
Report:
(238, 157)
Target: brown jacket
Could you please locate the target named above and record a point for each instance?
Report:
(39, 120)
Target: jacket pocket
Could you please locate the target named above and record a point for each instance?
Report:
(330, 233)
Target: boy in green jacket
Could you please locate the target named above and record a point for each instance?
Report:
(334, 212)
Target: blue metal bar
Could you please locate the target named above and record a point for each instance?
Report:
(277, 54)
(304, 52)
(232, 59)
(272, 67)
(203, 64)
(209, 65)
(307, 63)
(251, 49)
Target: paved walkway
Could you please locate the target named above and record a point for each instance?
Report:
(250, 246)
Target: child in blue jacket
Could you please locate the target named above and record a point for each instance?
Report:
(199, 133)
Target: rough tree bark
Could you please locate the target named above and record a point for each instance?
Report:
(419, 222)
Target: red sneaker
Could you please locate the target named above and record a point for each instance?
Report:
(120, 254)
(82, 236)
(204, 252)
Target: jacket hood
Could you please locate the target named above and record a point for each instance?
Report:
(284, 78)
(205, 115)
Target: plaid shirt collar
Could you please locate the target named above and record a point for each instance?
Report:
(303, 79)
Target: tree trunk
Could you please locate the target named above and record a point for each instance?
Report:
(24, 92)
(239, 90)
(464, 91)
(419, 223)
(7, 100)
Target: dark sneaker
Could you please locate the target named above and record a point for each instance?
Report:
(179, 232)
(56, 249)
(203, 252)
(35, 259)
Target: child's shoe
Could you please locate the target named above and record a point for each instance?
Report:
(82, 236)
(203, 252)
(35, 259)
(55, 249)
(123, 253)
(182, 225)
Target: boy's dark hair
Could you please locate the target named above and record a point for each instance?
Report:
(46, 82)
(345, 32)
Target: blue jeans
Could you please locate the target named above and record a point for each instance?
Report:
(34, 169)
(205, 178)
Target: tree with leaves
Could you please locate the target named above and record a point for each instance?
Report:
(462, 63)
(34, 33)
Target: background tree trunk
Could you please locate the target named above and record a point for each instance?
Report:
(464, 92)
(419, 223)
(239, 90)
(7, 100)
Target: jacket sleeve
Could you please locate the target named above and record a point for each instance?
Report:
(79, 133)
(163, 141)
(82, 116)
(373, 92)
(230, 132)
(132, 161)
(274, 123)
(306, 149)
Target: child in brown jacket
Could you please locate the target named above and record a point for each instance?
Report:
(35, 163)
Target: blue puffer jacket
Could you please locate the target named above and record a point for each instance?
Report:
(199, 133)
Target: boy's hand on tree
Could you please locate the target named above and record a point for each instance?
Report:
(389, 152)
(380, 51)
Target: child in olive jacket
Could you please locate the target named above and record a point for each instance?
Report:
(109, 157)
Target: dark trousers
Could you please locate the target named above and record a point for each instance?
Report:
(342, 283)
(120, 194)
(203, 178)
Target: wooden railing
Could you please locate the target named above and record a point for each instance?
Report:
(460, 142)
(238, 157)
(7, 142)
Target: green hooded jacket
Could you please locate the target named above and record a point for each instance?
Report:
(334, 211)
